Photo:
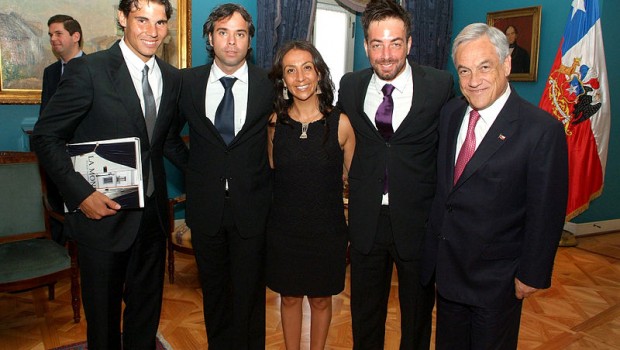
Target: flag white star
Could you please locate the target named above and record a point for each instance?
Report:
(578, 5)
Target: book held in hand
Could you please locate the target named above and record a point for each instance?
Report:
(113, 167)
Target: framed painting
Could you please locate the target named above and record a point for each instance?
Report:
(522, 28)
(25, 49)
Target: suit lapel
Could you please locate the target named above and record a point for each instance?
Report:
(200, 79)
(167, 99)
(121, 80)
(253, 103)
(360, 97)
(501, 130)
(420, 83)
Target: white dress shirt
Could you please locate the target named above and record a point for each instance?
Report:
(402, 97)
(215, 93)
(136, 65)
(487, 118)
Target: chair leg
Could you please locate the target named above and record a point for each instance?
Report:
(75, 282)
(51, 291)
(170, 262)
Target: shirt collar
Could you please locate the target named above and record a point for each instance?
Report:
(241, 74)
(400, 82)
(79, 54)
(133, 60)
(489, 114)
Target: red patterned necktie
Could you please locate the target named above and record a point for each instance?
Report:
(469, 146)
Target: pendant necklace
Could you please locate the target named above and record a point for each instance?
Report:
(304, 131)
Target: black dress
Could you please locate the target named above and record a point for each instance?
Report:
(307, 232)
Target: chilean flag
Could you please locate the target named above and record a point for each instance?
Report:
(577, 94)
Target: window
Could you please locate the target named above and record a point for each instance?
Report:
(334, 29)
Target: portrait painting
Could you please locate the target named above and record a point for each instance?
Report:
(25, 49)
(522, 29)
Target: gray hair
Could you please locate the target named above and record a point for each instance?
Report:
(477, 30)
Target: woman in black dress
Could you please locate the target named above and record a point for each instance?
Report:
(310, 143)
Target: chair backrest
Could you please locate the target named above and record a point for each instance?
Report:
(22, 212)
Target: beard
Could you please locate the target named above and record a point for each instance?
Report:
(391, 73)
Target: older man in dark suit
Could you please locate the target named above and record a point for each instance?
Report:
(228, 182)
(124, 91)
(501, 198)
(392, 176)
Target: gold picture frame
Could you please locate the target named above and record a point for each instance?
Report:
(25, 49)
(523, 26)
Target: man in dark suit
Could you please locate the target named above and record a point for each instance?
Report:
(392, 177)
(66, 39)
(228, 181)
(519, 56)
(106, 95)
(501, 198)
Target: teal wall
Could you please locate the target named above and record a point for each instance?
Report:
(554, 15)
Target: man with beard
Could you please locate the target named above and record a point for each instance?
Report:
(394, 109)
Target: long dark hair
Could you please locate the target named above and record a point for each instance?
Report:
(281, 106)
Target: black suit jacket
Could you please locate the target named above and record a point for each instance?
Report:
(520, 60)
(96, 100)
(409, 157)
(244, 162)
(51, 78)
(504, 217)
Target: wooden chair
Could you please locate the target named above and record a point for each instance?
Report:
(29, 258)
(180, 239)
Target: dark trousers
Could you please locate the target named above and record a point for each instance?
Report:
(461, 326)
(135, 276)
(371, 276)
(231, 270)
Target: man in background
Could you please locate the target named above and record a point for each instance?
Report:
(66, 39)
(498, 212)
(394, 109)
(228, 181)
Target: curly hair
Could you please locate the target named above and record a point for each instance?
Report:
(126, 6)
(281, 105)
(379, 10)
(225, 11)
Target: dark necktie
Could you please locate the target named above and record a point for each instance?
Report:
(62, 69)
(225, 113)
(469, 145)
(383, 120)
(150, 115)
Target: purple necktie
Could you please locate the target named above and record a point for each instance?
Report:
(469, 146)
(383, 120)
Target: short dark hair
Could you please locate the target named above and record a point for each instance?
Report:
(379, 10)
(326, 85)
(70, 24)
(222, 12)
(127, 5)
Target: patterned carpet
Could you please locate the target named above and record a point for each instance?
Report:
(162, 344)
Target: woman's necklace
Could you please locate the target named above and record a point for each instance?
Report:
(305, 125)
(304, 131)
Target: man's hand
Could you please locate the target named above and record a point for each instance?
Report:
(98, 205)
(522, 290)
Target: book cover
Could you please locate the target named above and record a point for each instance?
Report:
(113, 167)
